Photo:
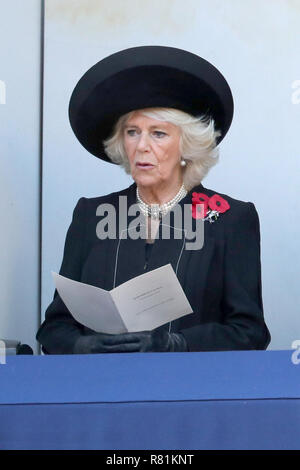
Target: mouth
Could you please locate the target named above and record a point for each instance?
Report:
(144, 165)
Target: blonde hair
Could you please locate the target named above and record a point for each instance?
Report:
(197, 142)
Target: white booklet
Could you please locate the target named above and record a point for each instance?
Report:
(142, 303)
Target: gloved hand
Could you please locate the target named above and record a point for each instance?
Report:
(158, 340)
(106, 343)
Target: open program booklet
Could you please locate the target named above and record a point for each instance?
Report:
(142, 303)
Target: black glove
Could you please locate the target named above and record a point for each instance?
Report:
(158, 340)
(106, 343)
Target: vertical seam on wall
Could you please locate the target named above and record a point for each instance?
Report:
(42, 40)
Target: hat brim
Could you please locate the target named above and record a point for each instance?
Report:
(146, 77)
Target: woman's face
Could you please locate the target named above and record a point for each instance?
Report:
(152, 148)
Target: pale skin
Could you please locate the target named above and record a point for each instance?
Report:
(148, 140)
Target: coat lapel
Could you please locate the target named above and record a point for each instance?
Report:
(170, 246)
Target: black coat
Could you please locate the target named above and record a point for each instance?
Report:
(222, 280)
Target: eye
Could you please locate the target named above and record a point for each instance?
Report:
(131, 132)
(159, 134)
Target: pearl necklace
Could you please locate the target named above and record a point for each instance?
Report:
(156, 211)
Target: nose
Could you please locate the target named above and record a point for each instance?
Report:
(143, 144)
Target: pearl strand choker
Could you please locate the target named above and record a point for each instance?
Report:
(156, 211)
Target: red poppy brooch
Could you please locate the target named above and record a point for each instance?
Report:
(208, 208)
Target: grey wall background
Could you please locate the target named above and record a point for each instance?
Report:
(256, 46)
(20, 45)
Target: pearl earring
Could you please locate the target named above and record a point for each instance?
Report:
(183, 163)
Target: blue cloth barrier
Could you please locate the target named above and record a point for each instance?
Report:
(182, 401)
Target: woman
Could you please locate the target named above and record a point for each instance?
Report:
(160, 112)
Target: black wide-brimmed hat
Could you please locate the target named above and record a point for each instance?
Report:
(146, 77)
